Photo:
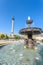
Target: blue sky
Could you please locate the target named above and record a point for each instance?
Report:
(20, 9)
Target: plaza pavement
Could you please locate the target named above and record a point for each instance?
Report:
(4, 42)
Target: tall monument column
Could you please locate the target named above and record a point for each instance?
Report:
(12, 25)
(12, 29)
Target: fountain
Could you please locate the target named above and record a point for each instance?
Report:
(16, 54)
(30, 31)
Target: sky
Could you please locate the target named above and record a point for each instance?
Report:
(20, 9)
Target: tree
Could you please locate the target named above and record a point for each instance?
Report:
(6, 37)
(2, 36)
(17, 37)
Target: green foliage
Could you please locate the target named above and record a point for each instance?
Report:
(17, 37)
(4, 36)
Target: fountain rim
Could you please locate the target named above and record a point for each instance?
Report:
(31, 29)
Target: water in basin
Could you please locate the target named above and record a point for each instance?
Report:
(16, 54)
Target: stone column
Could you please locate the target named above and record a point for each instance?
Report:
(12, 26)
(12, 29)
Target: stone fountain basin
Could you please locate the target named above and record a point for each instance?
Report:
(16, 54)
(29, 30)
